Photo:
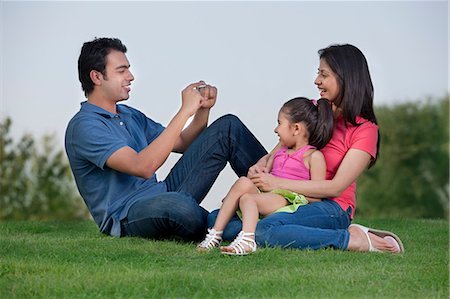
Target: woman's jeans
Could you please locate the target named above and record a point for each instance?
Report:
(315, 225)
(177, 212)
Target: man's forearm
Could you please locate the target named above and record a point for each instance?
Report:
(188, 135)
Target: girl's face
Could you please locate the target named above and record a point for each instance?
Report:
(327, 82)
(285, 130)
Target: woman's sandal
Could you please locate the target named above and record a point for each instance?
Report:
(242, 245)
(212, 240)
(388, 236)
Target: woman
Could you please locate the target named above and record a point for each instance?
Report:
(344, 79)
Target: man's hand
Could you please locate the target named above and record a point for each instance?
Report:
(191, 99)
(209, 94)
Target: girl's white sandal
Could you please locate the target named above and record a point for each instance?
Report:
(242, 245)
(212, 240)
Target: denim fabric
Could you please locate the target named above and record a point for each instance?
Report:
(314, 226)
(166, 215)
(177, 212)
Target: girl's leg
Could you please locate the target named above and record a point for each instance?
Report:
(232, 229)
(230, 203)
(253, 205)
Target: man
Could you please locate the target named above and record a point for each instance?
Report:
(114, 151)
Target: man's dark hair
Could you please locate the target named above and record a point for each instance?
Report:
(93, 57)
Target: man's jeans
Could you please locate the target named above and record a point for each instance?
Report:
(177, 212)
(315, 225)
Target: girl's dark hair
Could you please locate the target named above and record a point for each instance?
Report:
(318, 119)
(356, 88)
(93, 57)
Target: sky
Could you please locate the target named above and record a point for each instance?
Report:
(258, 55)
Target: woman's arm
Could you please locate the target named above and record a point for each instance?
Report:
(353, 164)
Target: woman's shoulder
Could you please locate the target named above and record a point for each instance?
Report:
(362, 122)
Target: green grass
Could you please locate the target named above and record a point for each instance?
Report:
(72, 259)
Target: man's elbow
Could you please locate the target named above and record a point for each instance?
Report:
(144, 172)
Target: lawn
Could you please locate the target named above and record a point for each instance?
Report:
(73, 260)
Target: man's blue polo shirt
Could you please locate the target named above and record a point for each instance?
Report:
(92, 135)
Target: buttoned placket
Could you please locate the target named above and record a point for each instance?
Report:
(121, 122)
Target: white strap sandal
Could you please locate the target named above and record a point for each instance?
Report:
(242, 245)
(388, 236)
(212, 240)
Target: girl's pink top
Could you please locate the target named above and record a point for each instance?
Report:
(291, 166)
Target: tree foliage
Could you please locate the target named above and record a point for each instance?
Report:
(36, 182)
(411, 177)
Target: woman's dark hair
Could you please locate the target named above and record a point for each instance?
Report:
(355, 85)
(93, 57)
(317, 117)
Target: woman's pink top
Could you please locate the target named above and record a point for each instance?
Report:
(291, 166)
(363, 137)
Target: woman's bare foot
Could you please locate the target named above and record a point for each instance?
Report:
(360, 241)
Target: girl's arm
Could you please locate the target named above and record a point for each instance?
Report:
(353, 164)
(317, 166)
(317, 169)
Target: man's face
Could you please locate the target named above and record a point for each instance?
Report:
(117, 79)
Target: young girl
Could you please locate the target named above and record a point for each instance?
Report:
(304, 126)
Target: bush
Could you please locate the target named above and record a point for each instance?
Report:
(411, 177)
(36, 183)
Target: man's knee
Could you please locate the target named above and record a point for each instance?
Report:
(228, 119)
(228, 123)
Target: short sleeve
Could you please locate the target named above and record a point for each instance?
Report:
(365, 138)
(152, 129)
(95, 141)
